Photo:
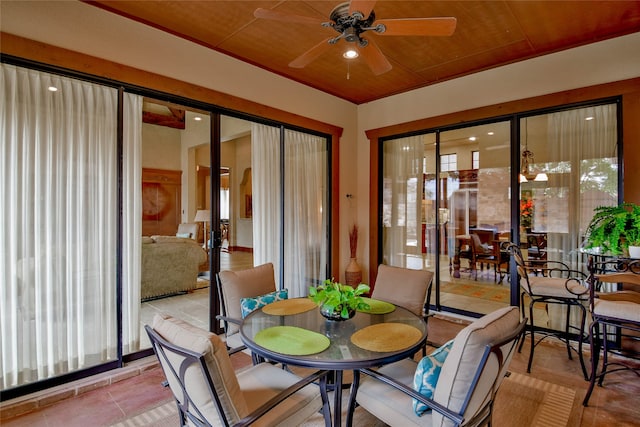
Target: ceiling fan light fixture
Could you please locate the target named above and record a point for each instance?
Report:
(350, 54)
(351, 19)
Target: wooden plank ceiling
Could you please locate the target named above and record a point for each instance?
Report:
(488, 34)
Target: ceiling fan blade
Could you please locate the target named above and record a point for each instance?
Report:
(274, 15)
(364, 6)
(310, 55)
(418, 26)
(374, 58)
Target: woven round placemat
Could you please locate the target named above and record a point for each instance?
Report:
(289, 306)
(292, 340)
(384, 337)
(377, 306)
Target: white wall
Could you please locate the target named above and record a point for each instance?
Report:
(87, 29)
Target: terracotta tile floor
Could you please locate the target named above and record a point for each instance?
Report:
(617, 403)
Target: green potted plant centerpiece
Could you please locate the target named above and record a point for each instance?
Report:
(338, 301)
(614, 230)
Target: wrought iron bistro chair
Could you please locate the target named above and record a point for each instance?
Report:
(617, 311)
(208, 392)
(464, 390)
(551, 282)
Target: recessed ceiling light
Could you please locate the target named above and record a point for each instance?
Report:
(472, 138)
(197, 118)
(589, 118)
(350, 54)
(52, 89)
(489, 133)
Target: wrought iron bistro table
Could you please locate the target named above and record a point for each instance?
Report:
(341, 354)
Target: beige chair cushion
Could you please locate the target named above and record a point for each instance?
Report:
(247, 283)
(555, 287)
(218, 363)
(402, 286)
(623, 310)
(264, 381)
(460, 366)
(389, 405)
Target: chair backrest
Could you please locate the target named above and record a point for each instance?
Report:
(235, 285)
(476, 245)
(188, 229)
(485, 235)
(477, 363)
(199, 372)
(405, 287)
(521, 267)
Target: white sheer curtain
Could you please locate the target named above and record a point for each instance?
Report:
(584, 175)
(402, 200)
(584, 155)
(58, 227)
(131, 221)
(267, 195)
(305, 227)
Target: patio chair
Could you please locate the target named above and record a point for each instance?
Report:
(233, 287)
(209, 392)
(464, 390)
(405, 287)
(551, 282)
(617, 312)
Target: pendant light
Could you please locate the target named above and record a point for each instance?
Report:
(527, 160)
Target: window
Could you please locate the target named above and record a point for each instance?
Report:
(475, 160)
(448, 162)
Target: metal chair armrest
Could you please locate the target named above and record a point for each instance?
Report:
(579, 281)
(229, 319)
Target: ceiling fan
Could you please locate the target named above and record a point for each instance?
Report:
(351, 20)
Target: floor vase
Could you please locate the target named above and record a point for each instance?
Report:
(353, 273)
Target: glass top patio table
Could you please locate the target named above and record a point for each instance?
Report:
(342, 353)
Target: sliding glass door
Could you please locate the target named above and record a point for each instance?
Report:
(59, 227)
(289, 172)
(474, 184)
(465, 192)
(569, 166)
(117, 206)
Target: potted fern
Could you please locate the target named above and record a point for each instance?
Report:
(338, 301)
(615, 230)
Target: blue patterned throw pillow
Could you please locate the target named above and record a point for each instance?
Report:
(247, 305)
(426, 376)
